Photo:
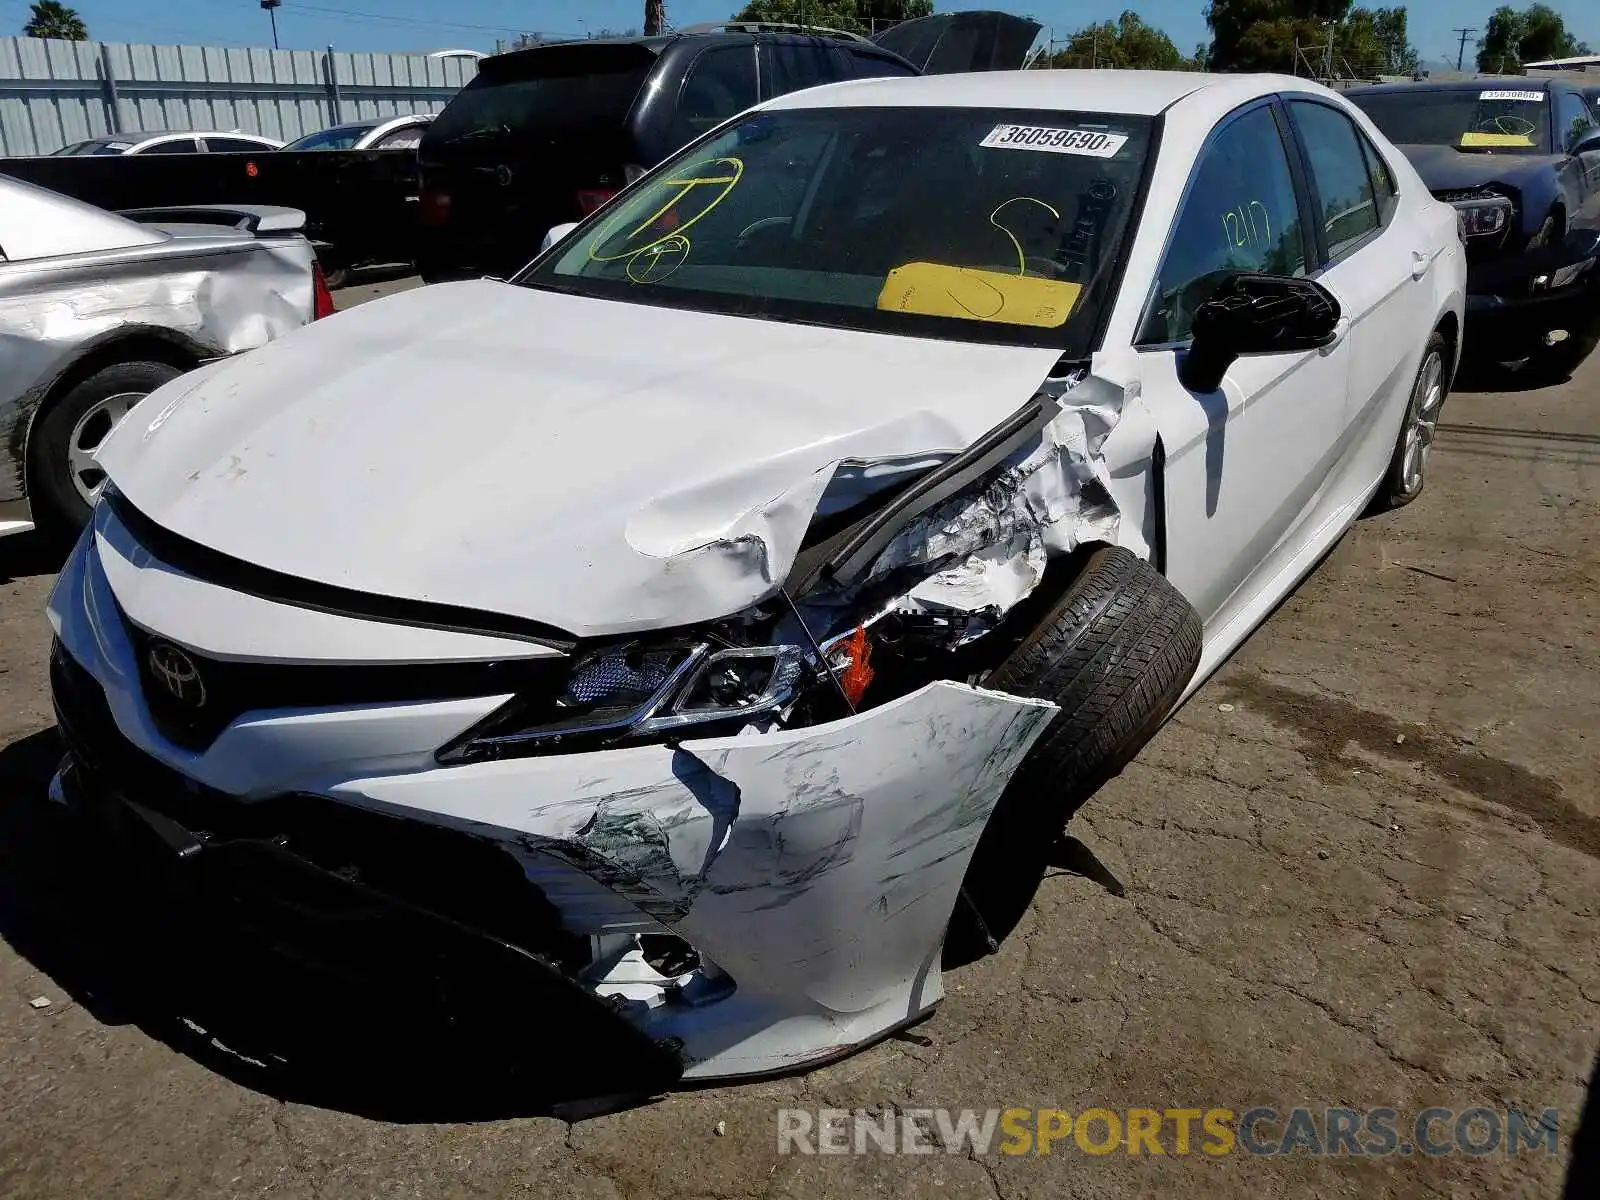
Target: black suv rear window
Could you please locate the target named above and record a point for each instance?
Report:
(551, 89)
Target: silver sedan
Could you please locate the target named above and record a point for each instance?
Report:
(98, 309)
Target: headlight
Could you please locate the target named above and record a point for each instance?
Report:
(1482, 217)
(635, 692)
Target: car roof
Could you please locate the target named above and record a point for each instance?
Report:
(1134, 93)
(1517, 83)
(146, 134)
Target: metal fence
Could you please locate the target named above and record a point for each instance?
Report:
(53, 93)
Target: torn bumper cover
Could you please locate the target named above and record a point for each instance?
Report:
(806, 875)
(289, 934)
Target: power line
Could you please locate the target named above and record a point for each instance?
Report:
(350, 14)
(1461, 50)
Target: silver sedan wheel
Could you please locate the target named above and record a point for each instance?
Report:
(1424, 424)
(87, 436)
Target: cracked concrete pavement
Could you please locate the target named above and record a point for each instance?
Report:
(1359, 869)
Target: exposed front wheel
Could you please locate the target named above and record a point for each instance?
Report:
(1116, 654)
(63, 478)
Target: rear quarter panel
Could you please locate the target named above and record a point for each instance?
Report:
(204, 297)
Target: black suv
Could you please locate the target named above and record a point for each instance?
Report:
(546, 135)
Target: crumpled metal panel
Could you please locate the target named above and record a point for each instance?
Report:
(206, 296)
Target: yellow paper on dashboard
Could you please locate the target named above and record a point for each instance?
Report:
(1485, 141)
(969, 293)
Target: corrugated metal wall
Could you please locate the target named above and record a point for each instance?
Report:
(53, 93)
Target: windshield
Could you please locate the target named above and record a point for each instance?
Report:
(562, 89)
(1476, 119)
(342, 137)
(97, 146)
(976, 224)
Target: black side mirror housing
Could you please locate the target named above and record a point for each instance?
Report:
(1256, 314)
(1589, 143)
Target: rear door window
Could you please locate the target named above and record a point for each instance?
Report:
(401, 139)
(1573, 118)
(1346, 205)
(857, 64)
(223, 145)
(553, 91)
(173, 146)
(798, 63)
(1383, 184)
(720, 84)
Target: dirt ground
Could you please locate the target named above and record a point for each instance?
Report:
(1359, 869)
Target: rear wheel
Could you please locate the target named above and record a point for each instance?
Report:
(1116, 654)
(1408, 467)
(63, 478)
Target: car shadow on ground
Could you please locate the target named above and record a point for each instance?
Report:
(1479, 376)
(24, 555)
(1583, 1168)
(58, 911)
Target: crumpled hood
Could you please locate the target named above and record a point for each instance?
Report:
(1446, 169)
(597, 466)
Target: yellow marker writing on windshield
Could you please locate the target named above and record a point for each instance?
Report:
(727, 182)
(994, 219)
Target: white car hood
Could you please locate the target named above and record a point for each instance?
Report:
(593, 465)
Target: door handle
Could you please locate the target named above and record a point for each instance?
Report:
(1341, 330)
(1420, 263)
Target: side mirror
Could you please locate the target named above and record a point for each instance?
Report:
(1256, 314)
(556, 234)
(1589, 143)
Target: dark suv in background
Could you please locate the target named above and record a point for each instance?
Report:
(546, 135)
(1519, 158)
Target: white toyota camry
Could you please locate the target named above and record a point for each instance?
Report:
(696, 642)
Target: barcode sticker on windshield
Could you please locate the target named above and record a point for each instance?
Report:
(1532, 97)
(1091, 142)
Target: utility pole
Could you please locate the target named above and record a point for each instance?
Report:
(272, 7)
(655, 17)
(1461, 51)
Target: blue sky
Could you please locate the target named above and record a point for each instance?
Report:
(434, 24)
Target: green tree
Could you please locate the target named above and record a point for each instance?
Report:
(1534, 34)
(1125, 42)
(858, 16)
(1374, 42)
(1264, 35)
(52, 19)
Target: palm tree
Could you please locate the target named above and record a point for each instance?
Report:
(52, 19)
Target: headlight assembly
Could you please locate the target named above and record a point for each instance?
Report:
(1483, 216)
(644, 691)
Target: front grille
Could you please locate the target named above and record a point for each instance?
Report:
(194, 716)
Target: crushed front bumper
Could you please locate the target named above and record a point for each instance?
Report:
(245, 891)
(812, 871)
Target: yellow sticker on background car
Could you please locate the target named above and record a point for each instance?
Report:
(969, 293)
(1487, 140)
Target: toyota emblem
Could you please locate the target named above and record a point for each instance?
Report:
(503, 174)
(175, 671)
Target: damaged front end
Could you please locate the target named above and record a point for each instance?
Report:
(743, 839)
